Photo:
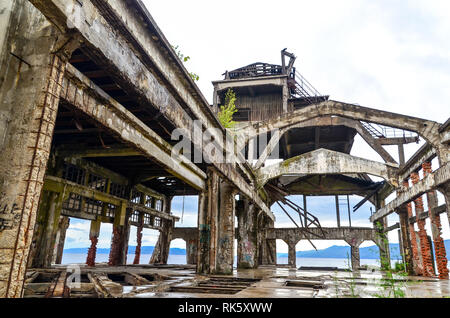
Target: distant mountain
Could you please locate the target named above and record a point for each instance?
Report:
(131, 250)
(370, 252)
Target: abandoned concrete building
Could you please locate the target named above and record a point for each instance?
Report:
(91, 92)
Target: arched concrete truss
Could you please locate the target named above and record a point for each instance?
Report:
(354, 236)
(325, 112)
(323, 161)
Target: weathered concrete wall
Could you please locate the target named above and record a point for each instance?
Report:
(247, 235)
(29, 95)
(208, 209)
(225, 235)
(190, 236)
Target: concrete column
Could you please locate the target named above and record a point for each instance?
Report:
(30, 86)
(93, 237)
(407, 255)
(208, 207)
(267, 247)
(225, 243)
(120, 237)
(416, 258)
(137, 253)
(356, 263)
(46, 230)
(191, 250)
(160, 254)
(247, 236)
(436, 228)
(445, 190)
(119, 245)
(425, 247)
(292, 258)
(63, 226)
(383, 244)
(355, 243)
(285, 97)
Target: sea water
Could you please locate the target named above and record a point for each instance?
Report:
(181, 260)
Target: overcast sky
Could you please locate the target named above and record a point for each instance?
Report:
(389, 55)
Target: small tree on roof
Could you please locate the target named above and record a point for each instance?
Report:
(228, 110)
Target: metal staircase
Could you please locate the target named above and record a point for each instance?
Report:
(379, 131)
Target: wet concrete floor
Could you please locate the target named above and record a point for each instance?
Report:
(147, 281)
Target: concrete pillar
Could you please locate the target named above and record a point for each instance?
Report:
(191, 250)
(247, 236)
(407, 255)
(355, 259)
(425, 247)
(120, 236)
(356, 263)
(32, 64)
(160, 254)
(137, 253)
(63, 226)
(208, 207)
(445, 190)
(285, 97)
(416, 258)
(267, 247)
(436, 228)
(46, 230)
(292, 258)
(93, 237)
(119, 245)
(225, 243)
(382, 241)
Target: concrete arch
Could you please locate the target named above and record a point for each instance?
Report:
(349, 115)
(324, 122)
(323, 161)
(427, 129)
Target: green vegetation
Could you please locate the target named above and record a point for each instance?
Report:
(390, 287)
(228, 110)
(352, 284)
(185, 59)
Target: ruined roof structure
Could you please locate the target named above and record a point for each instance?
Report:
(92, 95)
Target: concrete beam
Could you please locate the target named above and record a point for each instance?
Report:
(397, 141)
(343, 233)
(266, 80)
(425, 128)
(82, 93)
(59, 185)
(429, 183)
(100, 152)
(325, 161)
